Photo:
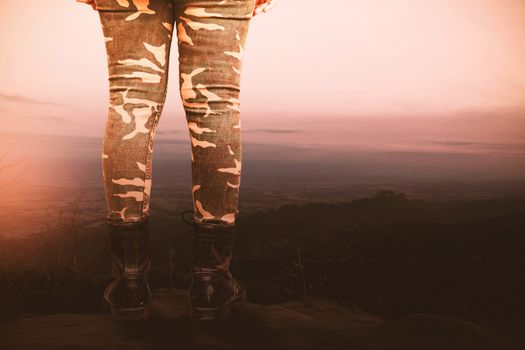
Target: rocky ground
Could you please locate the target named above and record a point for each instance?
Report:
(308, 323)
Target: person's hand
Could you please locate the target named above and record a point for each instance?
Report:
(263, 6)
(89, 2)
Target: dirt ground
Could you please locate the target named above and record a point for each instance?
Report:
(309, 323)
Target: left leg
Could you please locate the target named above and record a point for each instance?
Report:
(138, 37)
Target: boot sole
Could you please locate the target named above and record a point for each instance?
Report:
(212, 314)
(136, 314)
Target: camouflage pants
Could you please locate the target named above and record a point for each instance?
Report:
(211, 36)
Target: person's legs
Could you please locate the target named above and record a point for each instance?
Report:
(211, 38)
(138, 36)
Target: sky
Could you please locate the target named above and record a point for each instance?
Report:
(430, 75)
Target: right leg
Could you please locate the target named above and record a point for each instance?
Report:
(138, 38)
(212, 36)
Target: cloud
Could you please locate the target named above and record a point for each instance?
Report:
(54, 119)
(166, 132)
(458, 143)
(159, 142)
(481, 145)
(25, 100)
(274, 131)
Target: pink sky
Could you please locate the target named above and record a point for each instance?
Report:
(369, 90)
(304, 61)
(434, 88)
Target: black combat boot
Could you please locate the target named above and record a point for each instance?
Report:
(213, 291)
(129, 294)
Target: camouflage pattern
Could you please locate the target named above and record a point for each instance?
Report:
(211, 36)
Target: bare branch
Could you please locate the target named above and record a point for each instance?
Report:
(6, 181)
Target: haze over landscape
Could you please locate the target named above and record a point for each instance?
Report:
(437, 76)
(351, 94)
(382, 193)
